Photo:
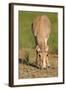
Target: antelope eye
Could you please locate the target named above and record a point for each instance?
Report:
(39, 55)
(47, 54)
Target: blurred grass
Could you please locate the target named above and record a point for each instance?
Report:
(26, 38)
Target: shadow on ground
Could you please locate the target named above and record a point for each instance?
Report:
(29, 69)
(26, 62)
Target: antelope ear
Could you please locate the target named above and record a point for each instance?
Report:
(37, 48)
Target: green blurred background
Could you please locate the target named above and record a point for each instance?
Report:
(26, 38)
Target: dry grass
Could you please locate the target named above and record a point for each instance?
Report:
(28, 69)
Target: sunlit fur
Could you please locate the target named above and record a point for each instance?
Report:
(41, 30)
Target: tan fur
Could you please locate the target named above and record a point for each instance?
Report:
(41, 30)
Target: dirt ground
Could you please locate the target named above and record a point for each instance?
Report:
(28, 69)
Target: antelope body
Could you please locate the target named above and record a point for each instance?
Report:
(41, 30)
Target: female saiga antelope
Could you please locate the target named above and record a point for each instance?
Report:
(41, 30)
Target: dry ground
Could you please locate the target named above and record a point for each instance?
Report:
(28, 69)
